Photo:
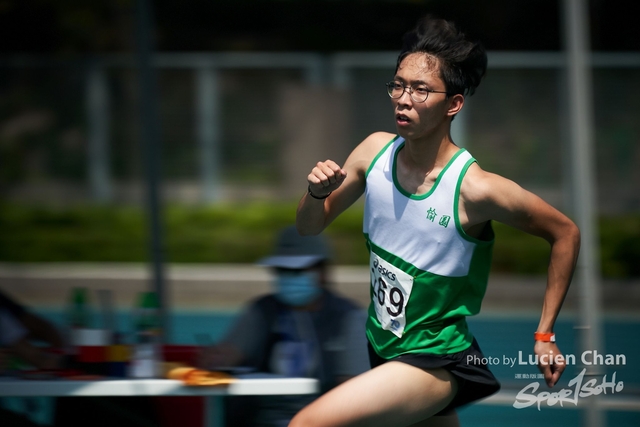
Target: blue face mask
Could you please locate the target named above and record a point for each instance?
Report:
(297, 289)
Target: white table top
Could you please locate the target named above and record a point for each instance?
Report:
(252, 384)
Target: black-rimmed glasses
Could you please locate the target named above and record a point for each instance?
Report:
(418, 91)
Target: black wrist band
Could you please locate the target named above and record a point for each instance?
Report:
(316, 197)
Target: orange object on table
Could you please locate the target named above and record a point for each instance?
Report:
(199, 377)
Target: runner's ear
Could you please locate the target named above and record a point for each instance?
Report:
(456, 102)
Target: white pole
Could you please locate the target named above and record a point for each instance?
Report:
(576, 21)
(97, 98)
(208, 126)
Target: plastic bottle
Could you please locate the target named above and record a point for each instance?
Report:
(145, 357)
(78, 319)
(83, 342)
(79, 312)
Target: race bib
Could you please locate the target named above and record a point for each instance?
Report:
(391, 291)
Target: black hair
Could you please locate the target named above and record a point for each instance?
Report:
(462, 62)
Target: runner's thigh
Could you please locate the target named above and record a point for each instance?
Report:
(390, 395)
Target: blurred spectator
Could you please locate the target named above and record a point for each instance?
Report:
(302, 329)
(21, 333)
(20, 330)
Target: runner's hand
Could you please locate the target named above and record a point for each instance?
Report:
(551, 362)
(325, 177)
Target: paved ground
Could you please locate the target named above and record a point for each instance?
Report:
(229, 286)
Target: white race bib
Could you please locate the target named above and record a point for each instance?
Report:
(391, 291)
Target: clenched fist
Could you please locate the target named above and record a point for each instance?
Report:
(325, 177)
(551, 362)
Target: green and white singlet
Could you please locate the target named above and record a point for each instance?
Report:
(427, 274)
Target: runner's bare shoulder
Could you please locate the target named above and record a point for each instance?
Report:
(368, 149)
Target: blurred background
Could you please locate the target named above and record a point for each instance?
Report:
(167, 151)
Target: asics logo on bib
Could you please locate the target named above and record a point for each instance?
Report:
(383, 271)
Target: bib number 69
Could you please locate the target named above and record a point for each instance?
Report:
(396, 298)
(390, 292)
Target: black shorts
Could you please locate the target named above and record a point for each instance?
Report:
(475, 380)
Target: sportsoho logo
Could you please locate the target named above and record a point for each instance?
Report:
(581, 386)
(578, 387)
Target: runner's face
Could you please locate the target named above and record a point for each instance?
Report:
(418, 119)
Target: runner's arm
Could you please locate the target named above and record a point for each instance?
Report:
(343, 184)
(491, 197)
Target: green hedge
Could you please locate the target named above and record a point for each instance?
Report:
(242, 233)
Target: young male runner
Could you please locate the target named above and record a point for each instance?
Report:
(427, 222)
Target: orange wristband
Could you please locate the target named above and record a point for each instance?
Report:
(544, 336)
